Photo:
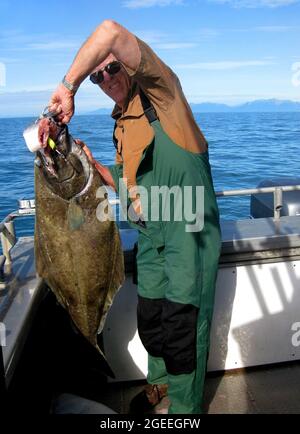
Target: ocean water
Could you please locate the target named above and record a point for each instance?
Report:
(244, 149)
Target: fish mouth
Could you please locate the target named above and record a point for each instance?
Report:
(53, 144)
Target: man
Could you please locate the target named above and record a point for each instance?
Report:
(158, 144)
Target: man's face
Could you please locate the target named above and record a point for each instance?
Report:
(115, 86)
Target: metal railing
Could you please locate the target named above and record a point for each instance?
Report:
(27, 207)
(276, 190)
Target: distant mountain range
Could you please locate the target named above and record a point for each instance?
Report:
(261, 105)
(101, 111)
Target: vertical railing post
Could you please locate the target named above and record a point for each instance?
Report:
(277, 202)
(8, 240)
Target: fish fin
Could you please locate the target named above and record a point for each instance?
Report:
(75, 216)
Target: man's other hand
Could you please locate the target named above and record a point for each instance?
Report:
(86, 150)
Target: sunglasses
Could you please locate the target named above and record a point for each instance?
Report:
(111, 68)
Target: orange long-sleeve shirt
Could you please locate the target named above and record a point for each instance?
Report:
(133, 131)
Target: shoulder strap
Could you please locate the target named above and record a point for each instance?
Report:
(115, 141)
(149, 110)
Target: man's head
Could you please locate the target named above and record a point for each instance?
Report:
(113, 79)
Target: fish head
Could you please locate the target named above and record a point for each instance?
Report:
(65, 167)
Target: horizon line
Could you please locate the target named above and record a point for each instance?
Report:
(227, 108)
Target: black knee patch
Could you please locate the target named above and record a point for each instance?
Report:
(179, 323)
(168, 329)
(149, 313)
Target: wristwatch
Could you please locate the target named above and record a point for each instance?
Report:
(69, 85)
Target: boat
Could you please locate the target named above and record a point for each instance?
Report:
(47, 367)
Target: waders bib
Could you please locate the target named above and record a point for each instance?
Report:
(176, 270)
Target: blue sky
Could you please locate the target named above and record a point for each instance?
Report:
(227, 51)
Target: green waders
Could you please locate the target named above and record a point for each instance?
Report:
(176, 273)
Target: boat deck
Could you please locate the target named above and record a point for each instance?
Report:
(265, 389)
(273, 389)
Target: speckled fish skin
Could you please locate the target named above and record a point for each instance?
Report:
(79, 257)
